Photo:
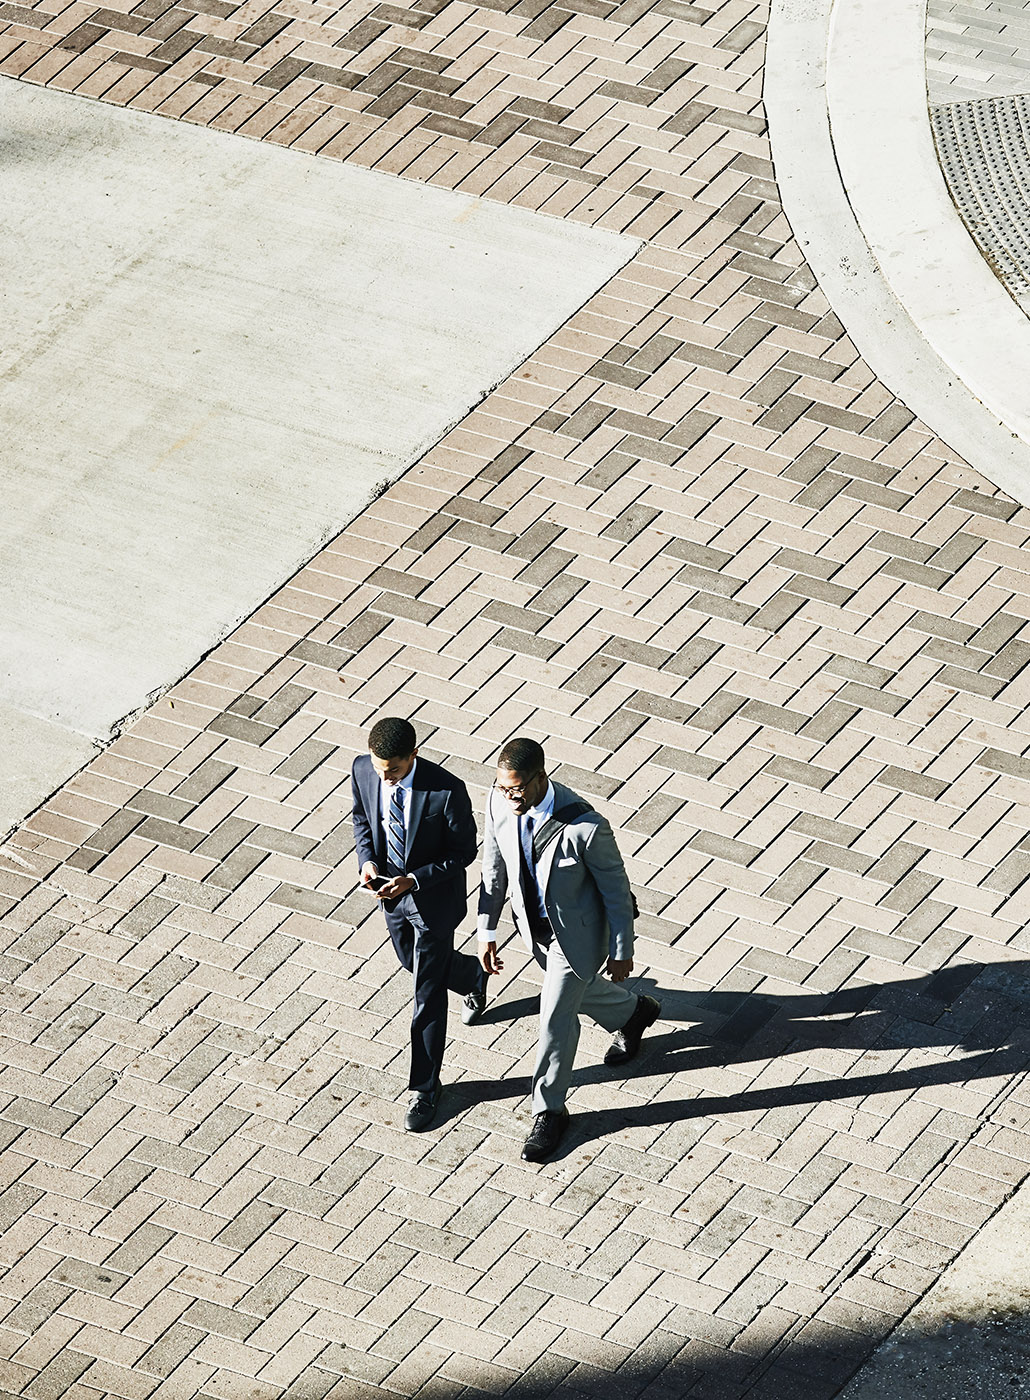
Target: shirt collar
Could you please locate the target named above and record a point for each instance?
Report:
(544, 807)
(404, 784)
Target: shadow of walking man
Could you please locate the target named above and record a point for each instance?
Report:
(975, 1017)
(972, 1018)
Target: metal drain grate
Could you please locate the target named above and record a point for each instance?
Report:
(984, 151)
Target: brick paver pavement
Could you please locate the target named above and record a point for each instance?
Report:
(977, 50)
(759, 613)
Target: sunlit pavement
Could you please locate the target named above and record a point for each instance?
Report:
(758, 611)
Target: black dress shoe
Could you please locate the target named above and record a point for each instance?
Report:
(546, 1134)
(474, 1004)
(472, 1008)
(421, 1111)
(626, 1042)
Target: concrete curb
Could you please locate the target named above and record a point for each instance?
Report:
(873, 250)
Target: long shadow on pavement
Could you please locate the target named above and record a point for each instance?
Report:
(977, 1007)
(981, 1009)
(961, 1361)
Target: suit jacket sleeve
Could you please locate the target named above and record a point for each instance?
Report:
(604, 862)
(459, 843)
(494, 884)
(363, 837)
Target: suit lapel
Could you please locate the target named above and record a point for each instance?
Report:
(418, 802)
(562, 797)
(507, 827)
(543, 866)
(374, 807)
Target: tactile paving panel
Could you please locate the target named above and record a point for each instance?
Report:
(984, 150)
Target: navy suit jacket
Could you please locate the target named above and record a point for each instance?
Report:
(440, 840)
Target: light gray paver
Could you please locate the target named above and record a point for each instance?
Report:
(977, 50)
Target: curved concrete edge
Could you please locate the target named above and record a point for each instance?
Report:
(878, 104)
(904, 353)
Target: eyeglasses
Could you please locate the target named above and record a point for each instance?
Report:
(515, 794)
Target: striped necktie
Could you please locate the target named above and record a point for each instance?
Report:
(395, 834)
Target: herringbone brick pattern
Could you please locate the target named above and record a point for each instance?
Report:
(758, 613)
(977, 49)
(636, 115)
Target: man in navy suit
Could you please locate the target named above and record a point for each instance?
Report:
(415, 835)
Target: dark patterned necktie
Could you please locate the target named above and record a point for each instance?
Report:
(395, 834)
(528, 868)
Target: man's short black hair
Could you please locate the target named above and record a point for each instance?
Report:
(392, 738)
(522, 756)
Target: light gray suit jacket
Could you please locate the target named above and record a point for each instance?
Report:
(586, 889)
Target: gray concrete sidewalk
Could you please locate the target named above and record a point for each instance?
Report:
(215, 354)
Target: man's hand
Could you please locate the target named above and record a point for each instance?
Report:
(393, 889)
(618, 970)
(488, 958)
(368, 872)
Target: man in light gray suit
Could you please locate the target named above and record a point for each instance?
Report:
(557, 860)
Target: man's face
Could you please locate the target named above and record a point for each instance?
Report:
(521, 791)
(393, 770)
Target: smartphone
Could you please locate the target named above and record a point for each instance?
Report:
(376, 883)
